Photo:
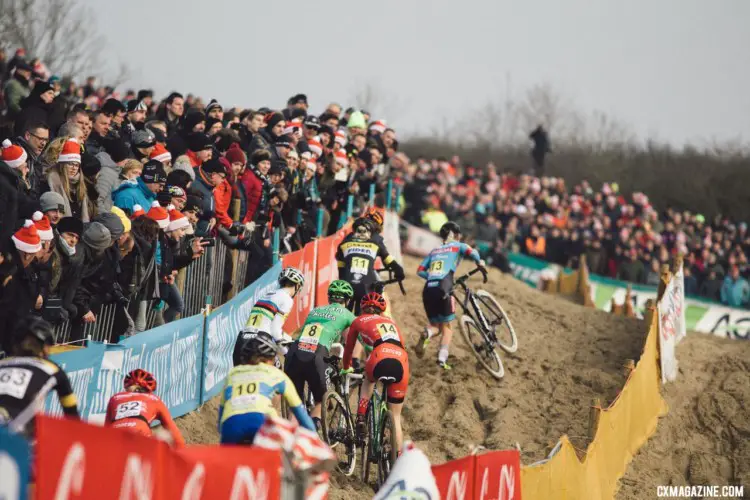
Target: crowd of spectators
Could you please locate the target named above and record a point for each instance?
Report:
(622, 237)
(104, 197)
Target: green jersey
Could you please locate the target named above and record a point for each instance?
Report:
(324, 326)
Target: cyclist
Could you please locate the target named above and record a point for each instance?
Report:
(270, 312)
(374, 215)
(384, 343)
(438, 269)
(325, 325)
(250, 388)
(136, 408)
(356, 259)
(27, 377)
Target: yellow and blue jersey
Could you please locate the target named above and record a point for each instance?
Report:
(443, 261)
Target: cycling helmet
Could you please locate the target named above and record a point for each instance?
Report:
(373, 299)
(362, 225)
(449, 227)
(374, 215)
(37, 328)
(293, 276)
(256, 343)
(341, 289)
(142, 379)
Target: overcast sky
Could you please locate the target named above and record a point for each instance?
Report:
(677, 70)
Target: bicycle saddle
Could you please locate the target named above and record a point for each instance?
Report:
(387, 379)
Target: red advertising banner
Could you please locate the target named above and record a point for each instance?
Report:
(492, 476)
(306, 261)
(327, 270)
(79, 461)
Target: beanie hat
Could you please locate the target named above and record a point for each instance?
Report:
(176, 219)
(158, 134)
(137, 211)
(159, 214)
(123, 218)
(284, 141)
(97, 236)
(13, 155)
(27, 238)
(235, 154)
(112, 222)
(43, 227)
(272, 119)
(378, 126)
(71, 151)
(70, 225)
(213, 166)
(153, 172)
(90, 165)
(192, 119)
(118, 150)
(311, 165)
(52, 201)
(312, 121)
(143, 138)
(198, 141)
(340, 157)
(210, 122)
(260, 155)
(315, 146)
(161, 154)
(341, 138)
(193, 204)
(136, 105)
(356, 120)
(213, 104)
(112, 106)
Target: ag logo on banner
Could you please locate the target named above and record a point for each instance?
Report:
(671, 317)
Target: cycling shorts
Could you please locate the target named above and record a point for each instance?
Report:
(390, 360)
(440, 307)
(134, 424)
(301, 366)
(241, 429)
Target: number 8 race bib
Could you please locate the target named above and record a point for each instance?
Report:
(310, 337)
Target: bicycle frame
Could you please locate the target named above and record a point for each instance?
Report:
(471, 300)
(379, 407)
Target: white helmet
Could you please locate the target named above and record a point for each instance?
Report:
(293, 276)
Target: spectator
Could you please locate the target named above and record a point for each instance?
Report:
(66, 179)
(53, 207)
(33, 140)
(691, 283)
(536, 243)
(17, 88)
(139, 276)
(97, 139)
(141, 190)
(632, 269)
(171, 113)
(66, 265)
(653, 275)
(735, 292)
(210, 177)
(257, 185)
(143, 143)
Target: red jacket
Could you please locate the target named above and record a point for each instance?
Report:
(223, 200)
(253, 193)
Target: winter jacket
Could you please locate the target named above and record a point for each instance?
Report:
(258, 142)
(65, 278)
(73, 207)
(172, 125)
(133, 192)
(15, 204)
(632, 270)
(139, 274)
(222, 204)
(173, 258)
(16, 90)
(34, 110)
(204, 187)
(735, 293)
(256, 193)
(95, 144)
(711, 289)
(17, 297)
(35, 177)
(99, 284)
(107, 181)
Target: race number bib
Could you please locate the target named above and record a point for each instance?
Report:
(388, 331)
(15, 381)
(310, 337)
(359, 265)
(255, 321)
(436, 267)
(129, 409)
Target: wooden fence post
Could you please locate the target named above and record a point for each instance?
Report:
(594, 414)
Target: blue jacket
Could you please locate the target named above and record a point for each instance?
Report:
(133, 192)
(735, 293)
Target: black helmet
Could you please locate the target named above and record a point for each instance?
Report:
(37, 328)
(363, 222)
(255, 343)
(449, 227)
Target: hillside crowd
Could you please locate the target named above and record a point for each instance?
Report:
(103, 198)
(622, 237)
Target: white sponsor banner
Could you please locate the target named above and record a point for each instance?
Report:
(671, 311)
(679, 283)
(420, 242)
(391, 236)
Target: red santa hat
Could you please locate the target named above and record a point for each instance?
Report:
(340, 157)
(71, 151)
(341, 138)
(137, 211)
(160, 153)
(311, 165)
(27, 238)
(43, 227)
(159, 214)
(176, 219)
(14, 156)
(378, 126)
(293, 127)
(315, 146)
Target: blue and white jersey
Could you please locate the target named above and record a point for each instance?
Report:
(443, 261)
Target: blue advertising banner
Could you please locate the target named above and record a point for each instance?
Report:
(222, 327)
(14, 466)
(83, 367)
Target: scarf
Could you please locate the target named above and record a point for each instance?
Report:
(55, 184)
(266, 187)
(71, 251)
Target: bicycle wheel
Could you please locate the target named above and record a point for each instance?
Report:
(482, 348)
(366, 450)
(338, 432)
(387, 452)
(499, 322)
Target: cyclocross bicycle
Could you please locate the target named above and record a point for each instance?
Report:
(484, 325)
(379, 446)
(336, 417)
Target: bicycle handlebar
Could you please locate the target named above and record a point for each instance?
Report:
(391, 280)
(462, 279)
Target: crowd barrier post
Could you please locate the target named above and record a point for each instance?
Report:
(349, 206)
(276, 243)
(397, 205)
(321, 216)
(371, 197)
(389, 195)
(204, 341)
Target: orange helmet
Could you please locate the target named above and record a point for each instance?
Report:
(373, 299)
(375, 216)
(142, 379)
